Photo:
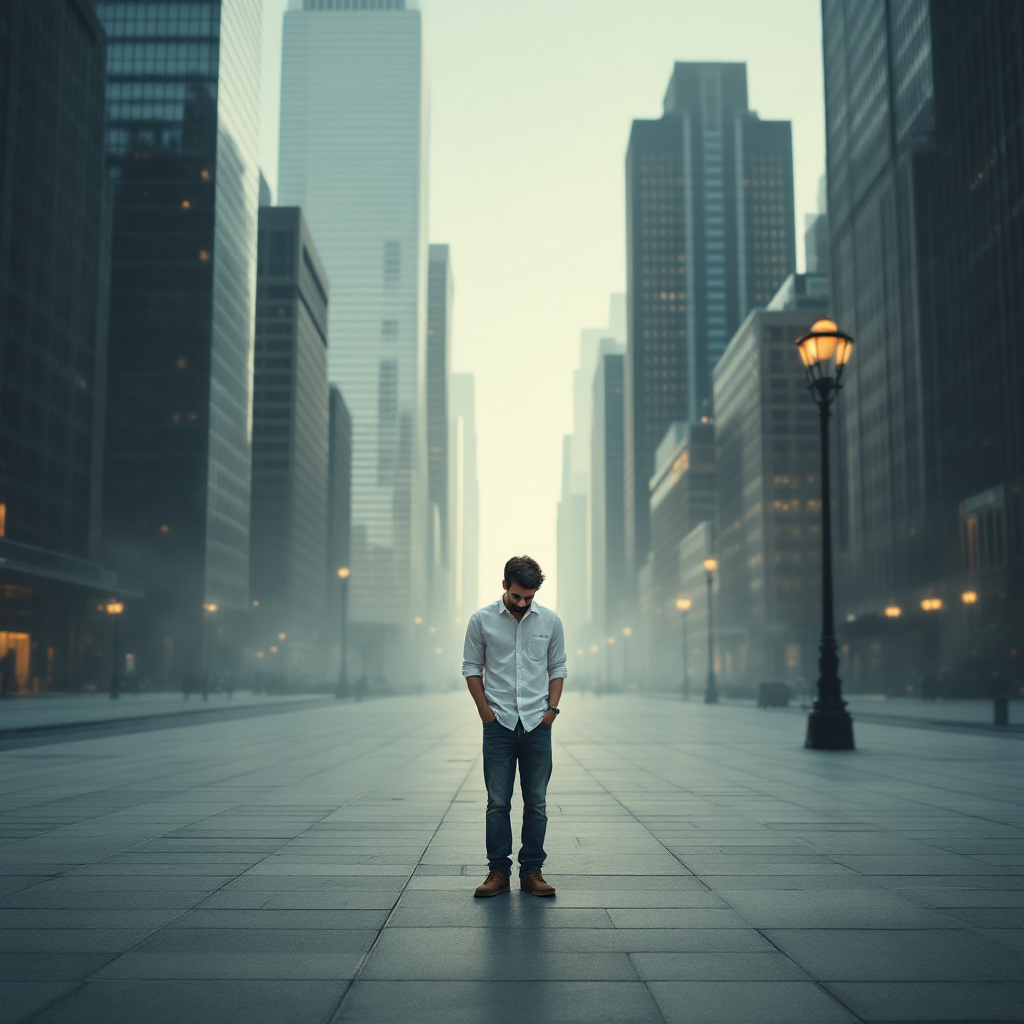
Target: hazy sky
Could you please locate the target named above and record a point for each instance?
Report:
(530, 110)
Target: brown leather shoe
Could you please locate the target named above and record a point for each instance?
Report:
(496, 884)
(534, 883)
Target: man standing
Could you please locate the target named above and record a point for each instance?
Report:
(514, 664)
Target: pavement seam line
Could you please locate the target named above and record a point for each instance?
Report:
(333, 1015)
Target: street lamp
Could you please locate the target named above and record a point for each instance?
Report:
(114, 610)
(610, 641)
(626, 634)
(342, 689)
(711, 691)
(825, 351)
(210, 610)
(684, 604)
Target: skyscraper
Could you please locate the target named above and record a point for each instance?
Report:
(924, 106)
(465, 498)
(607, 525)
(439, 319)
(182, 136)
(710, 234)
(769, 491)
(53, 282)
(290, 458)
(575, 507)
(353, 156)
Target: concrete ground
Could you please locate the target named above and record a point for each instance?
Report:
(317, 866)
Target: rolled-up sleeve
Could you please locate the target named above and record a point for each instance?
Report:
(473, 652)
(556, 652)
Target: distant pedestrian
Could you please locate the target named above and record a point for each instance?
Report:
(514, 666)
(8, 672)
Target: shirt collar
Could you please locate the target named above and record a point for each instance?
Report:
(504, 607)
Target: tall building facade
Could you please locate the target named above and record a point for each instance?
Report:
(465, 499)
(53, 281)
(925, 133)
(353, 156)
(769, 493)
(607, 523)
(710, 235)
(290, 444)
(182, 137)
(683, 496)
(438, 387)
(575, 570)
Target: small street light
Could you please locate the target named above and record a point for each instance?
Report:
(342, 688)
(711, 691)
(684, 604)
(626, 634)
(825, 351)
(211, 610)
(114, 610)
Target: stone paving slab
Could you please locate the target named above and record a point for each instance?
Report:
(318, 867)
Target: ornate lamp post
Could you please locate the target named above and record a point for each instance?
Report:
(825, 351)
(684, 604)
(711, 691)
(114, 610)
(342, 688)
(626, 634)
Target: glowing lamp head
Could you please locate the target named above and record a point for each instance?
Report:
(710, 564)
(824, 351)
(344, 572)
(418, 621)
(969, 597)
(893, 611)
(931, 604)
(684, 604)
(211, 608)
(115, 608)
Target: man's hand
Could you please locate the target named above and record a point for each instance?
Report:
(549, 718)
(487, 715)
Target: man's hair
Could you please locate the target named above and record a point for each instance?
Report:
(525, 571)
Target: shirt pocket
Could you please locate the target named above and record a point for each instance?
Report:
(537, 647)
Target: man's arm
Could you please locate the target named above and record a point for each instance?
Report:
(473, 659)
(476, 691)
(556, 669)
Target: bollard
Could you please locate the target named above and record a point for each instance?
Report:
(1001, 711)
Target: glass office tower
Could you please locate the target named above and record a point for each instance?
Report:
(924, 110)
(290, 456)
(352, 155)
(182, 137)
(53, 264)
(710, 234)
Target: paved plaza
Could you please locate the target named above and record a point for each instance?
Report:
(317, 866)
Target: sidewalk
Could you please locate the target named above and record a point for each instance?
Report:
(318, 867)
(23, 714)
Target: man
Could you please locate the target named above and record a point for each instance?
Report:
(514, 665)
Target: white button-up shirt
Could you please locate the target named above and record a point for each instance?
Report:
(516, 659)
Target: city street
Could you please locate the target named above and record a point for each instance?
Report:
(317, 865)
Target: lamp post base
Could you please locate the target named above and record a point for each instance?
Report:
(829, 728)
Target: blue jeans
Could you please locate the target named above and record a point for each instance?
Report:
(503, 748)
